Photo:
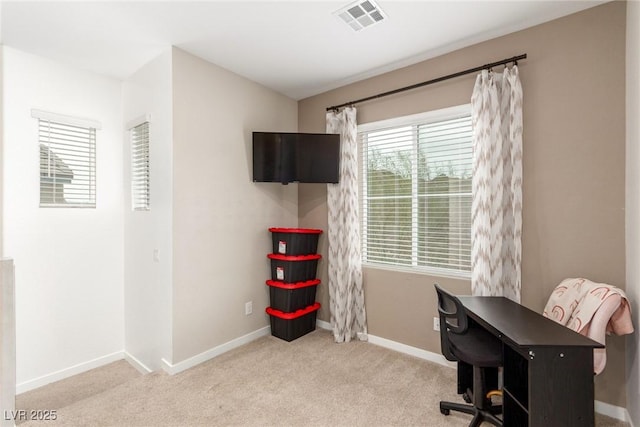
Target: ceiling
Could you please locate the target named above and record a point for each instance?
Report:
(298, 48)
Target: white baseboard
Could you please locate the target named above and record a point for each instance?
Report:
(173, 369)
(323, 325)
(68, 372)
(613, 411)
(140, 367)
(327, 326)
(413, 351)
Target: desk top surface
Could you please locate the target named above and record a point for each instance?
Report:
(520, 325)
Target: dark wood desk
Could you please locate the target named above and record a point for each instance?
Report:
(548, 368)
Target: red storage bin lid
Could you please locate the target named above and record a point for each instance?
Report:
(294, 257)
(283, 285)
(295, 230)
(290, 316)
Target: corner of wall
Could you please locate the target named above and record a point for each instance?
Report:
(632, 204)
(7, 340)
(220, 218)
(148, 248)
(1, 147)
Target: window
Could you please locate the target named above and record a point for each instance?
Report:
(416, 191)
(67, 160)
(140, 167)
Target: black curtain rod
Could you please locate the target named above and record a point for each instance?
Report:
(514, 59)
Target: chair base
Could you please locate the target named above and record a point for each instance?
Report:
(479, 415)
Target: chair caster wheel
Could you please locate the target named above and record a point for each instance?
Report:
(466, 397)
(444, 411)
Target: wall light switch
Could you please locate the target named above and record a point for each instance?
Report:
(156, 255)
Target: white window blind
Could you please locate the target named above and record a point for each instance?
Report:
(140, 186)
(416, 191)
(67, 163)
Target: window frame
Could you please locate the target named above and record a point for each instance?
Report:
(135, 151)
(86, 163)
(413, 120)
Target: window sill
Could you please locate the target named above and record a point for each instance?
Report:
(426, 271)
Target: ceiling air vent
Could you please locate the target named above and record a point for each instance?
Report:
(361, 14)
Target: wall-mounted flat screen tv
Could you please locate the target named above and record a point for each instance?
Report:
(296, 157)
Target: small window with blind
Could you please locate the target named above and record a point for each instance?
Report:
(140, 189)
(416, 192)
(67, 160)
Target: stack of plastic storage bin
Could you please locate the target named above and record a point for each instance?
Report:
(292, 288)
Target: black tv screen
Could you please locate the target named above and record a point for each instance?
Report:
(273, 157)
(296, 157)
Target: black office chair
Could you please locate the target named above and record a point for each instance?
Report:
(472, 347)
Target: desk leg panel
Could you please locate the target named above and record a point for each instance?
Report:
(561, 387)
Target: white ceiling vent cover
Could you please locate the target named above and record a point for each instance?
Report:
(361, 14)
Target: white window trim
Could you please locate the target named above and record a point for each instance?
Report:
(138, 121)
(89, 175)
(442, 114)
(429, 116)
(130, 126)
(66, 120)
(426, 271)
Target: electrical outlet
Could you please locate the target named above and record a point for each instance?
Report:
(436, 323)
(248, 308)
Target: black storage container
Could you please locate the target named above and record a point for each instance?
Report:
(293, 269)
(289, 326)
(295, 241)
(290, 297)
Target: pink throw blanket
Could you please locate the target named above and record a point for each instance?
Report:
(591, 309)
(574, 302)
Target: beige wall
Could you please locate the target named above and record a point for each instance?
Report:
(633, 205)
(573, 191)
(220, 217)
(1, 150)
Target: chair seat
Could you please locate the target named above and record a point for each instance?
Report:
(477, 347)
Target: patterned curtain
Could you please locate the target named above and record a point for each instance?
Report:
(346, 294)
(496, 230)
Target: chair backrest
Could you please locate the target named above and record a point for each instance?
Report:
(453, 319)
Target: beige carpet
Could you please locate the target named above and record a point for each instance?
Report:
(269, 382)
